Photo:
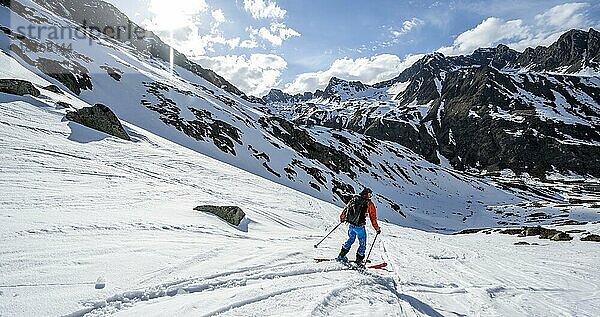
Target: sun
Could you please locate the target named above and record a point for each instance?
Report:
(169, 15)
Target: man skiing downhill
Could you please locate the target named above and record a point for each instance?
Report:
(355, 213)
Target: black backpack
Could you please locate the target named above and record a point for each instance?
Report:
(356, 211)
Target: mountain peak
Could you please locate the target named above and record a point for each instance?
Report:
(343, 89)
(574, 51)
(336, 80)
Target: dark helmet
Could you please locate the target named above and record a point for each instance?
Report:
(366, 192)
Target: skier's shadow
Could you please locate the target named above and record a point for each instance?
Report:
(419, 305)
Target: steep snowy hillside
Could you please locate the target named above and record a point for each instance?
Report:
(94, 225)
(197, 109)
(535, 112)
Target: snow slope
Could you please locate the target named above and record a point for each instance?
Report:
(189, 110)
(80, 207)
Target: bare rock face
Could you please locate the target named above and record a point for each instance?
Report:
(101, 118)
(18, 87)
(231, 214)
(54, 89)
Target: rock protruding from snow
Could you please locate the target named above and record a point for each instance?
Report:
(543, 233)
(18, 87)
(591, 237)
(100, 283)
(101, 118)
(54, 89)
(231, 214)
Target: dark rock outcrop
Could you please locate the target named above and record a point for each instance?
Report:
(591, 237)
(18, 87)
(522, 243)
(302, 142)
(231, 214)
(54, 89)
(470, 136)
(561, 236)
(113, 72)
(63, 105)
(541, 232)
(101, 118)
(71, 74)
(203, 127)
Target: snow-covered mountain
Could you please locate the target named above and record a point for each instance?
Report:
(197, 109)
(534, 112)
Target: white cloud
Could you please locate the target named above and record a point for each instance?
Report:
(196, 45)
(251, 43)
(487, 33)
(407, 26)
(264, 10)
(219, 16)
(367, 70)
(275, 34)
(254, 75)
(565, 16)
(518, 34)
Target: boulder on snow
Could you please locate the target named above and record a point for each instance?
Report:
(472, 230)
(591, 237)
(513, 231)
(101, 118)
(545, 233)
(100, 283)
(561, 236)
(18, 87)
(231, 214)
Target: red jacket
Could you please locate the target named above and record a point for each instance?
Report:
(371, 212)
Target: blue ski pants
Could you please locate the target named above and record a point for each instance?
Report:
(353, 233)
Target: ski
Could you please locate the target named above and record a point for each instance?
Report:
(362, 268)
(378, 266)
(351, 263)
(325, 260)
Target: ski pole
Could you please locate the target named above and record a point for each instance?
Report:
(317, 245)
(371, 249)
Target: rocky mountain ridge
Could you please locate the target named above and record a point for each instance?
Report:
(532, 112)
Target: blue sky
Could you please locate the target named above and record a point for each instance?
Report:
(298, 45)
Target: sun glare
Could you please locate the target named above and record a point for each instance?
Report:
(174, 14)
(170, 15)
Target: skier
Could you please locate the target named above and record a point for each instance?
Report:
(355, 214)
